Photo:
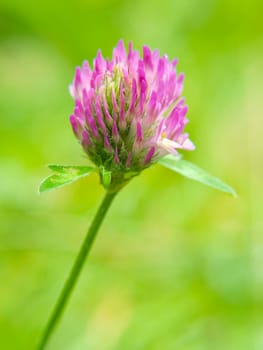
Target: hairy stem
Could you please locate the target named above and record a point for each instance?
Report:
(76, 269)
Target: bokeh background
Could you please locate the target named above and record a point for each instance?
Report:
(176, 265)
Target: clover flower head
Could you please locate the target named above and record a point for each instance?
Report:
(128, 110)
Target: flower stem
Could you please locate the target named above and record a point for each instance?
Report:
(76, 269)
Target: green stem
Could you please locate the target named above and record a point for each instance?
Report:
(76, 269)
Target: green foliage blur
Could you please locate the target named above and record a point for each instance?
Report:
(176, 265)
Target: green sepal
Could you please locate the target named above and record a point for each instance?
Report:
(64, 175)
(105, 177)
(193, 172)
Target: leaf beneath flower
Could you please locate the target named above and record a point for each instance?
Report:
(64, 175)
(193, 172)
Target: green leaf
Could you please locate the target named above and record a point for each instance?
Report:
(64, 175)
(193, 172)
(66, 169)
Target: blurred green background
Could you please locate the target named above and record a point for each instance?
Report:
(176, 265)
